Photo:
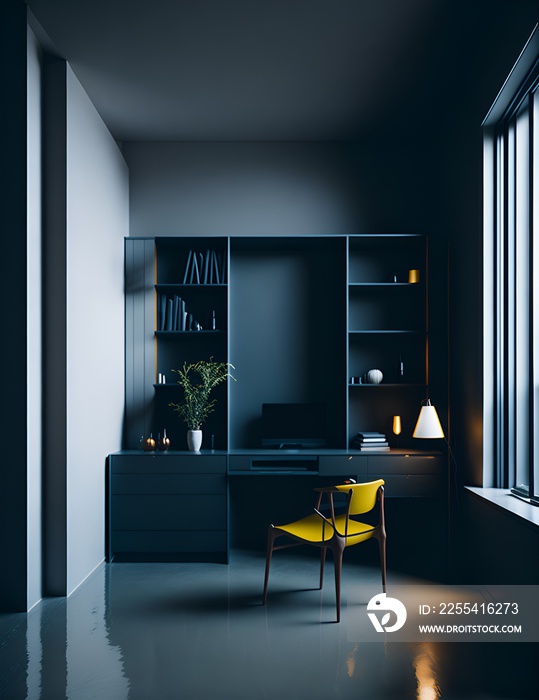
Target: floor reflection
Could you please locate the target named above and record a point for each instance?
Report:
(169, 631)
(94, 663)
(425, 672)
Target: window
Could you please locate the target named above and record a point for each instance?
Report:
(511, 281)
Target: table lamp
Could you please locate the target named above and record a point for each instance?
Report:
(428, 424)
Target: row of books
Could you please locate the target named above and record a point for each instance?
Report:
(205, 267)
(369, 441)
(172, 315)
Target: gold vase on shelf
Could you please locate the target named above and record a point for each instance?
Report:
(163, 443)
(148, 444)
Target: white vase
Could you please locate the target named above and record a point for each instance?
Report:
(194, 440)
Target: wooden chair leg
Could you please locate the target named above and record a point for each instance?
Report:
(382, 548)
(338, 550)
(322, 562)
(271, 538)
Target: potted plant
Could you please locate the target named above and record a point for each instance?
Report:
(197, 404)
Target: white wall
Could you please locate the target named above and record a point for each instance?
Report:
(97, 222)
(33, 319)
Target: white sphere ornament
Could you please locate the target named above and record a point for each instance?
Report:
(374, 376)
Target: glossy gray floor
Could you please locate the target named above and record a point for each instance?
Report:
(189, 631)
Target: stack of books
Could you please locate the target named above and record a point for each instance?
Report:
(367, 441)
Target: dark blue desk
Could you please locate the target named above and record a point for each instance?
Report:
(176, 506)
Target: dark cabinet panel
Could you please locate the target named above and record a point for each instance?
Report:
(168, 506)
(405, 464)
(161, 484)
(412, 486)
(168, 512)
(343, 465)
(405, 475)
(166, 542)
(159, 463)
(139, 325)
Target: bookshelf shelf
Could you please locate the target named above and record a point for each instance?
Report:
(383, 284)
(165, 287)
(171, 334)
(387, 385)
(380, 331)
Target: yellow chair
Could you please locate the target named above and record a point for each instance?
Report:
(336, 532)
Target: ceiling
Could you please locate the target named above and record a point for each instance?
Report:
(265, 70)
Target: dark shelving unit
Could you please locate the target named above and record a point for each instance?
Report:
(297, 316)
(206, 303)
(387, 325)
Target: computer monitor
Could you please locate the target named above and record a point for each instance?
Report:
(294, 425)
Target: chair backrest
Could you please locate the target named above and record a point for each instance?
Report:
(363, 495)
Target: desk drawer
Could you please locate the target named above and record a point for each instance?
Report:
(160, 463)
(186, 484)
(422, 486)
(403, 464)
(168, 512)
(343, 465)
(239, 463)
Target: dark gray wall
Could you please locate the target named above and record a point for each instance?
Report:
(13, 301)
(494, 546)
(281, 188)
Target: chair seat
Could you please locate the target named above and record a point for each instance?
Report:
(314, 529)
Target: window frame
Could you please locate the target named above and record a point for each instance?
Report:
(511, 257)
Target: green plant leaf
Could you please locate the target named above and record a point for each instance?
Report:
(198, 380)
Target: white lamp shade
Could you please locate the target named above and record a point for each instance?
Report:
(428, 424)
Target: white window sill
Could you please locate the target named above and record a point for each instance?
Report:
(503, 500)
